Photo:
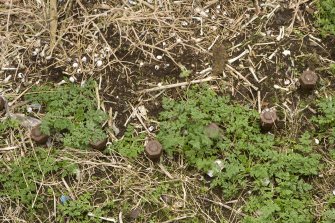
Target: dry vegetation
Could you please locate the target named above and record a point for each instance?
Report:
(138, 52)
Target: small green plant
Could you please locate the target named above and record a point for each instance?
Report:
(72, 111)
(326, 16)
(326, 120)
(184, 71)
(272, 169)
(23, 181)
(332, 68)
(131, 145)
(78, 210)
(5, 126)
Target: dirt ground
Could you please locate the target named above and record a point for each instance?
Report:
(254, 54)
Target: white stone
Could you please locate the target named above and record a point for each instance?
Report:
(72, 79)
(99, 63)
(286, 52)
(75, 65)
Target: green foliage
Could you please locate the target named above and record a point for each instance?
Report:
(131, 145)
(77, 210)
(332, 68)
(8, 124)
(5, 126)
(328, 216)
(71, 110)
(326, 119)
(272, 169)
(326, 16)
(184, 72)
(22, 179)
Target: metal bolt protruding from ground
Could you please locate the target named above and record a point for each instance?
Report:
(212, 130)
(99, 145)
(37, 135)
(2, 104)
(153, 149)
(268, 119)
(308, 79)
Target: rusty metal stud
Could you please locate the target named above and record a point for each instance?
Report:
(268, 119)
(38, 136)
(99, 145)
(308, 79)
(212, 130)
(2, 104)
(153, 149)
(135, 213)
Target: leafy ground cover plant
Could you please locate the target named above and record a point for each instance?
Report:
(326, 119)
(272, 169)
(70, 110)
(131, 145)
(326, 16)
(23, 181)
(78, 210)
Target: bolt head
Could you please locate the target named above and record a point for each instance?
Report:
(268, 119)
(268, 116)
(212, 130)
(308, 79)
(37, 135)
(153, 149)
(2, 103)
(99, 145)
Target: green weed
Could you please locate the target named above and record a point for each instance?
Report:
(326, 16)
(72, 111)
(273, 170)
(23, 181)
(130, 146)
(78, 210)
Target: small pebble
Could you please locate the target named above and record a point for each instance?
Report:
(83, 59)
(286, 52)
(159, 57)
(72, 79)
(64, 199)
(99, 63)
(75, 65)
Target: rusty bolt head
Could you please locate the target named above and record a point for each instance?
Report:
(2, 103)
(153, 149)
(99, 145)
(135, 213)
(38, 136)
(308, 79)
(212, 130)
(268, 119)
